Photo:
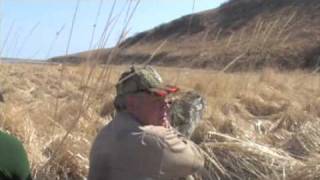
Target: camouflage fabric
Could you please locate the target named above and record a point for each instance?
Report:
(138, 79)
(14, 164)
(186, 112)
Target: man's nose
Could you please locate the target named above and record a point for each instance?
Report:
(168, 104)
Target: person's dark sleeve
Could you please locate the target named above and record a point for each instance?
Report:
(29, 177)
(14, 163)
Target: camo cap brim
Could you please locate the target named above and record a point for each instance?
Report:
(143, 79)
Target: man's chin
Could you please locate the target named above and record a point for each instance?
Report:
(166, 122)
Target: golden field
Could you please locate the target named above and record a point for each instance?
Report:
(257, 125)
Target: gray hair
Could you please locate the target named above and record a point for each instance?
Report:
(120, 102)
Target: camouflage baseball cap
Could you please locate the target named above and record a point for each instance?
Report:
(139, 79)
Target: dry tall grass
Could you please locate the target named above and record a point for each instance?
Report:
(261, 125)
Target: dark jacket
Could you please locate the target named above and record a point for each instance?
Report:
(14, 163)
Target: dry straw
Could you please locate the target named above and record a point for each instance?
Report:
(266, 122)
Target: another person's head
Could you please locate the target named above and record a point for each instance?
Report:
(140, 92)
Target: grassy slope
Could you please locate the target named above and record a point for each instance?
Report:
(278, 33)
(270, 118)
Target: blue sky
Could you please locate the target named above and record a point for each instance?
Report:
(29, 27)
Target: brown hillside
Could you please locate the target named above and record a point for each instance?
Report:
(240, 35)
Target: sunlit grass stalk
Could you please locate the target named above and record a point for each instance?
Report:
(58, 33)
(191, 16)
(95, 24)
(72, 26)
(14, 47)
(91, 69)
(85, 104)
(56, 107)
(25, 40)
(7, 38)
(106, 71)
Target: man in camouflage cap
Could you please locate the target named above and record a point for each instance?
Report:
(139, 143)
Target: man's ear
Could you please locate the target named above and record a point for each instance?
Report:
(130, 102)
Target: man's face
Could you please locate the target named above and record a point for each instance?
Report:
(149, 109)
